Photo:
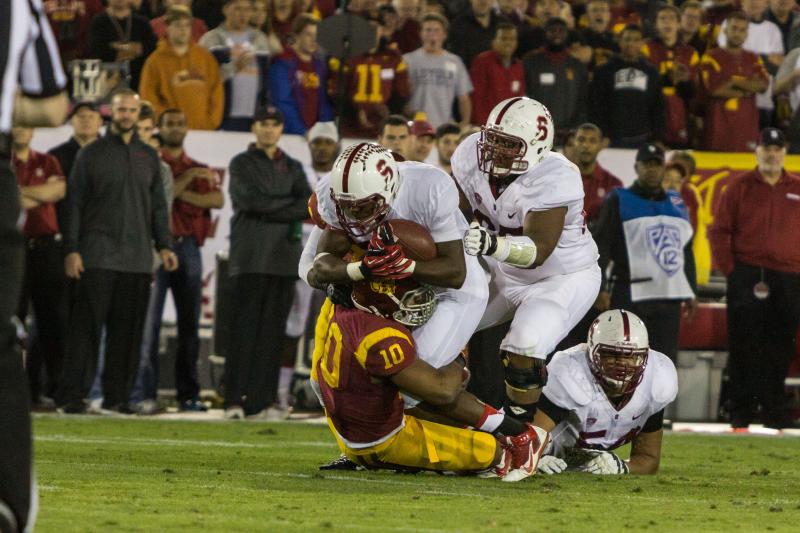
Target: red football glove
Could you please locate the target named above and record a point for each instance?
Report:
(384, 258)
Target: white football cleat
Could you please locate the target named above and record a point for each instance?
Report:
(526, 448)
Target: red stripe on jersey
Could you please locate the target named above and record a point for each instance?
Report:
(349, 162)
(505, 110)
(626, 326)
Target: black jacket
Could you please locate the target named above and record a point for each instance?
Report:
(66, 154)
(116, 206)
(626, 100)
(270, 201)
(610, 238)
(467, 38)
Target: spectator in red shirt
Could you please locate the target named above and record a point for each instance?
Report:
(70, 20)
(196, 192)
(42, 185)
(422, 137)
(159, 24)
(678, 64)
(597, 181)
(496, 74)
(755, 242)
(407, 33)
(732, 77)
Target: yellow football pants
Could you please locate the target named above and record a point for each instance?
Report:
(427, 445)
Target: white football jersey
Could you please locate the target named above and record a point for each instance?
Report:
(555, 182)
(426, 196)
(594, 421)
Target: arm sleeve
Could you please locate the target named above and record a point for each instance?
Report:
(654, 423)
(720, 234)
(390, 352)
(77, 186)
(282, 97)
(41, 73)
(309, 252)
(160, 218)
(605, 231)
(557, 414)
(463, 83)
(442, 217)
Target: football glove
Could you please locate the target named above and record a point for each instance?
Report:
(550, 464)
(605, 463)
(478, 241)
(385, 258)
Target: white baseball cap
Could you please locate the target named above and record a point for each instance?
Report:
(324, 129)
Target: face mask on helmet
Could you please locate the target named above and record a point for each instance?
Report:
(501, 154)
(404, 301)
(361, 217)
(619, 369)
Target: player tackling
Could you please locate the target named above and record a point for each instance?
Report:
(602, 395)
(529, 225)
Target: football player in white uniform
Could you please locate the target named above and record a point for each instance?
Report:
(367, 187)
(604, 394)
(527, 205)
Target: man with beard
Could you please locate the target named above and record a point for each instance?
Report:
(115, 211)
(446, 143)
(558, 80)
(196, 192)
(755, 243)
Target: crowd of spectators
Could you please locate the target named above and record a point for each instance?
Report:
(683, 74)
(643, 75)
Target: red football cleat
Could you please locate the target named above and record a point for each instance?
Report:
(526, 448)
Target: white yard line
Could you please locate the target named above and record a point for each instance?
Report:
(180, 442)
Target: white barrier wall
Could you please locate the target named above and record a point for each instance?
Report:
(217, 148)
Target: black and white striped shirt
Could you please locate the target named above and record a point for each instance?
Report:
(29, 58)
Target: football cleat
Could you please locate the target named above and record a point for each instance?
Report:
(341, 463)
(526, 448)
(500, 469)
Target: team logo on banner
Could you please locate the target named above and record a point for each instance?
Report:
(664, 242)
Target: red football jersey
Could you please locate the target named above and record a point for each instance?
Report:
(731, 124)
(360, 353)
(372, 80)
(664, 59)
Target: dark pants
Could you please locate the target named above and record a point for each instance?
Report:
(186, 285)
(118, 300)
(15, 422)
(761, 341)
(261, 306)
(44, 288)
(488, 376)
(662, 318)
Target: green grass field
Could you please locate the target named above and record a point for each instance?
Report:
(98, 474)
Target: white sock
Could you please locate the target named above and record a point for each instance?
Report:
(284, 382)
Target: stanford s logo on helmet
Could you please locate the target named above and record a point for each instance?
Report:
(364, 183)
(517, 136)
(618, 350)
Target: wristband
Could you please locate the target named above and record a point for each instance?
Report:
(354, 271)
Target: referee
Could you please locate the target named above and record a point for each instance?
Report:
(28, 57)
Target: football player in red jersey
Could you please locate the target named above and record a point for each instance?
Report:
(368, 356)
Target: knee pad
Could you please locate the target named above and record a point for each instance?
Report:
(524, 379)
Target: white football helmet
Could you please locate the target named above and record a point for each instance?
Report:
(618, 348)
(517, 136)
(364, 182)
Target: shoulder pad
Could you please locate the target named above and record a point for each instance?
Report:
(665, 378)
(568, 384)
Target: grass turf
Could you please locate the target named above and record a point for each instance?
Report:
(98, 474)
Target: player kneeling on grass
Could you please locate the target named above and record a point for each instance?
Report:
(368, 357)
(604, 394)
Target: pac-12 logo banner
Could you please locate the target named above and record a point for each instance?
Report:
(664, 242)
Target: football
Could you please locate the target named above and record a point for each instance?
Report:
(414, 238)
